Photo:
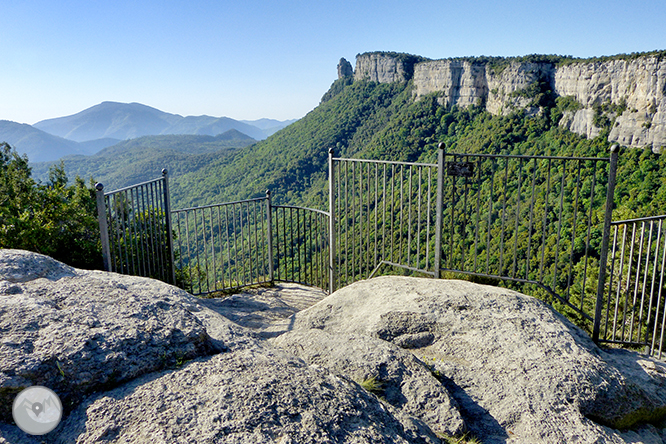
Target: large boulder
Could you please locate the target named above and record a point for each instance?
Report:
(253, 395)
(518, 370)
(78, 332)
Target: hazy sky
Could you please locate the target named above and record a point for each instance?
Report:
(249, 59)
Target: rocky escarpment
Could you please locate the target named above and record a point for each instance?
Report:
(624, 95)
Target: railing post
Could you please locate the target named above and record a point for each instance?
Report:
(269, 236)
(331, 222)
(603, 258)
(103, 226)
(439, 208)
(167, 216)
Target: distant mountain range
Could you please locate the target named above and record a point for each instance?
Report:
(140, 159)
(108, 123)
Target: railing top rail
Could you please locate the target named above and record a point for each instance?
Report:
(639, 219)
(390, 162)
(257, 199)
(520, 156)
(131, 187)
(325, 213)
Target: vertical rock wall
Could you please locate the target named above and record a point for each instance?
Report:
(629, 92)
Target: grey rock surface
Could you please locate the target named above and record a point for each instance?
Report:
(136, 360)
(403, 381)
(78, 331)
(519, 371)
(252, 395)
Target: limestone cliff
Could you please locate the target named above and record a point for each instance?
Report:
(625, 92)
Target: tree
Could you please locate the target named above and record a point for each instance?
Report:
(53, 219)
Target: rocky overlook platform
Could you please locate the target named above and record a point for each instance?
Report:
(137, 360)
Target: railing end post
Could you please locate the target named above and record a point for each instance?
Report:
(103, 226)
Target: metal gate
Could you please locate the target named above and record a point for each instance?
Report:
(539, 220)
(634, 311)
(135, 229)
(383, 215)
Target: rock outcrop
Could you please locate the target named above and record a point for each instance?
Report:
(518, 371)
(345, 69)
(388, 360)
(630, 92)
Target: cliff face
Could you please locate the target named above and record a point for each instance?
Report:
(629, 94)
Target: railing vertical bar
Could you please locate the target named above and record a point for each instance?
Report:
(587, 238)
(258, 251)
(654, 303)
(428, 217)
(401, 254)
(610, 281)
(129, 231)
(503, 219)
(145, 210)
(490, 212)
(636, 282)
(212, 247)
(152, 221)
(418, 219)
(528, 257)
(626, 297)
(573, 233)
(393, 177)
(409, 220)
(452, 222)
(559, 227)
(368, 215)
(221, 240)
(515, 233)
(384, 199)
(619, 283)
(659, 304)
(654, 273)
(347, 222)
(189, 255)
(376, 215)
(477, 217)
(196, 250)
(237, 280)
(146, 235)
(155, 235)
(544, 228)
(645, 276)
(136, 235)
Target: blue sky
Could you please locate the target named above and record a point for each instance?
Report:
(254, 58)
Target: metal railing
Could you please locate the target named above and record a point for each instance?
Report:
(236, 244)
(528, 219)
(635, 311)
(384, 216)
(224, 246)
(135, 229)
(301, 245)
